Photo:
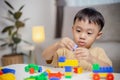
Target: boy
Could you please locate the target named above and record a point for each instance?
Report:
(87, 27)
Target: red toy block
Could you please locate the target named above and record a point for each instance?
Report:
(110, 77)
(32, 70)
(75, 70)
(58, 75)
(1, 72)
(96, 77)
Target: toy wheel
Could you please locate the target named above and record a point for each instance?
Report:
(110, 77)
(96, 77)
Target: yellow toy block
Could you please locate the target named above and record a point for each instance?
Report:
(61, 63)
(48, 70)
(80, 70)
(68, 74)
(8, 76)
(69, 63)
(1, 68)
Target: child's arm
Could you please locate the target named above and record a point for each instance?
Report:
(49, 52)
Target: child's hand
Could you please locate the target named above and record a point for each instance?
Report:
(82, 54)
(66, 43)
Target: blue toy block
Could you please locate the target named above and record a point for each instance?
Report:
(54, 78)
(7, 70)
(40, 69)
(68, 69)
(74, 48)
(108, 69)
(62, 59)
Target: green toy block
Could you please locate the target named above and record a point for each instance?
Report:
(68, 76)
(29, 79)
(26, 69)
(95, 67)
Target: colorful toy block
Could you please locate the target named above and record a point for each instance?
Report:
(42, 76)
(74, 48)
(102, 72)
(69, 62)
(54, 78)
(110, 77)
(68, 74)
(58, 75)
(78, 70)
(62, 59)
(7, 76)
(8, 70)
(68, 69)
(32, 68)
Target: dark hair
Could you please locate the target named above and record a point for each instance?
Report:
(92, 15)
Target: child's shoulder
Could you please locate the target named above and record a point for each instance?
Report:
(96, 49)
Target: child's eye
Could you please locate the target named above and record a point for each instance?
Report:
(89, 33)
(78, 30)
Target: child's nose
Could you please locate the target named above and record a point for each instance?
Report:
(82, 36)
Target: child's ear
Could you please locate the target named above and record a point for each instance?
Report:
(99, 35)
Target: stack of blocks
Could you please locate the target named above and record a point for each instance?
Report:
(102, 72)
(68, 64)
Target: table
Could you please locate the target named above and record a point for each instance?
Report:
(21, 74)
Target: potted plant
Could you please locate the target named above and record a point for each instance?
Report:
(14, 38)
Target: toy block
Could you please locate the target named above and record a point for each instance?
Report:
(68, 69)
(78, 70)
(1, 72)
(95, 67)
(110, 76)
(44, 73)
(61, 64)
(26, 69)
(7, 70)
(1, 68)
(96, 77)
(29, 79)
(59, 75)
(54, 78)
(40, 69)
(48, 70)
(32, 70)
(61, 59)
(7, 76)
(75, 70)
(68, 74)
(71, 62)
(74, 48)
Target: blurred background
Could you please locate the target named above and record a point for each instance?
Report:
(56, 16)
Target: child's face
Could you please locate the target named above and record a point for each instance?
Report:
(85, 33)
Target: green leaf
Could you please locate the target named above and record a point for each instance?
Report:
(19, 24)
(3, 45)
(8, 4)
(21, 7)
(11, 44)
(7, 28)
(16, 40)
(10, 12)
(17, 15)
